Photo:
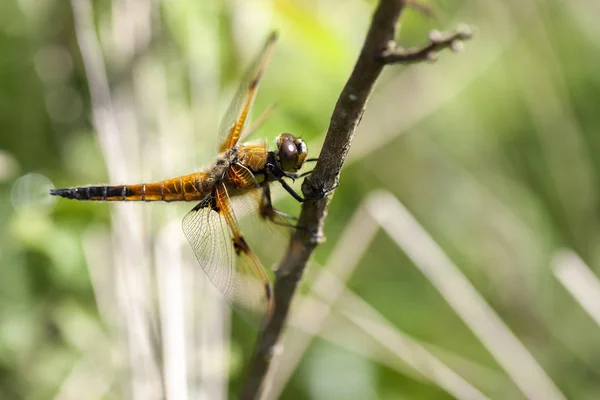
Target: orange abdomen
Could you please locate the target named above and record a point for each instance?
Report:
(190, 187)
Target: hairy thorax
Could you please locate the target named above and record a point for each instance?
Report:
(254, 157)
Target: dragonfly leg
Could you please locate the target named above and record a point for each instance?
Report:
(278, 174)
(294, 176)
(291, 191)
(269, 212)
(301, 199)
(285, 215)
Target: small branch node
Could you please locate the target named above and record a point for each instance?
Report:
(436, 36)
(391, 46)
(432, 57)
(465, 31)
(457, 46)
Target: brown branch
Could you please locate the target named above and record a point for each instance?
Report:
(344, 120)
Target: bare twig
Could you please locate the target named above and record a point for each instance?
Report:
(437, 41)
(344, 120)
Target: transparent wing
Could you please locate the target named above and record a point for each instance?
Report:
(267, 230)
(222, 252)
(257, 123)
(257, 199)
(234, 121)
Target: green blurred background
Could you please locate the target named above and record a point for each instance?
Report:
(493, 150)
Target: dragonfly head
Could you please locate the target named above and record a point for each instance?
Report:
(291, 152)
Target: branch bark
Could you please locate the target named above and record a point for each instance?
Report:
(378, 50)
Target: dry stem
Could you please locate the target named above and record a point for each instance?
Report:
(375, 54)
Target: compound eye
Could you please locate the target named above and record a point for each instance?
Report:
(288, 155)
(302, 152)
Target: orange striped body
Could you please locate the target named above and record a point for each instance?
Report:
(192, 187)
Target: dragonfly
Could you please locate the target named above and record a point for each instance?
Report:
(241, 170)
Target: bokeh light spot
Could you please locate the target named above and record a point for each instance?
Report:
(9, 166)
(32, 190)
(63, 104)
(53, 64)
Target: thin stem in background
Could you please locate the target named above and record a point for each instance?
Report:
(464, 299)
(577, 277)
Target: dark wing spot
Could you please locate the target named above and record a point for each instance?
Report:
(213, 204)
(210, 201)
(207, 202)
(268, 291)
(240, 245)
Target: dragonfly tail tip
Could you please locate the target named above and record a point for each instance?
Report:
(66, 193)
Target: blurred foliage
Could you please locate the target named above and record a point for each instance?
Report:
(500, 166)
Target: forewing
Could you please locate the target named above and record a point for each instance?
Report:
(234, 121)
(236, 272)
